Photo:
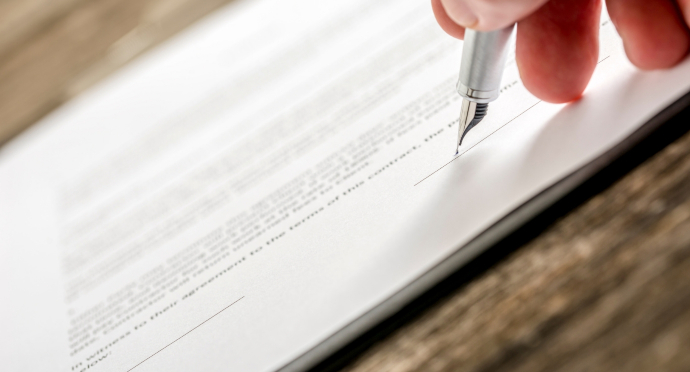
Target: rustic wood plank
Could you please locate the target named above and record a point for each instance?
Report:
(21, 19)
(75, 43)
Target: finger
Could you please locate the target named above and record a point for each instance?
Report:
(684, 6)
(487, 15)
(654, 34)
(447, 24)
(557, 48)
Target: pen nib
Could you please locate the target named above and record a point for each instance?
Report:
(470, 115)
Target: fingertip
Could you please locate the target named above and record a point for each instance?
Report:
(447, 24)
(553, 90)
(650, 52)
(653, 32)
(655, 58)
(490, 15)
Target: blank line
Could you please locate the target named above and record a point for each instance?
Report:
(444, 165)
(202, 323)
(480, 141)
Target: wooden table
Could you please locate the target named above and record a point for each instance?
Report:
(604, 288)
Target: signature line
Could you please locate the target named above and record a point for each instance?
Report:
(480, 141)
(188, 332)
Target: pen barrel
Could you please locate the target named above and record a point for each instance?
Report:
(483, 60)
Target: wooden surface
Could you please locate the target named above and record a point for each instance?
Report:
(606, 288)
(51, 50)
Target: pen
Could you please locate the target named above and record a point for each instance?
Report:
(481, 69)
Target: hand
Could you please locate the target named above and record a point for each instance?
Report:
(558, 40)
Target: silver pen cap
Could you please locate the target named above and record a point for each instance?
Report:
(483, 60)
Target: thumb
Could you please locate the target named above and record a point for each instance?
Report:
(487, 15)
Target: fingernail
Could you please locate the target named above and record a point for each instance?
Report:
(460, 13)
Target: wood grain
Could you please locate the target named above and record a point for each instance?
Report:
(51, 50)
(606, 288)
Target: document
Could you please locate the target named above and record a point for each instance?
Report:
(249, 188)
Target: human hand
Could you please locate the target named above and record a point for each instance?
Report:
(558, 40)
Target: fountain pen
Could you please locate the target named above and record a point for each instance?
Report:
(481, 68)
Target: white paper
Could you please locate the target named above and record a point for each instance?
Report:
(291, 158)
